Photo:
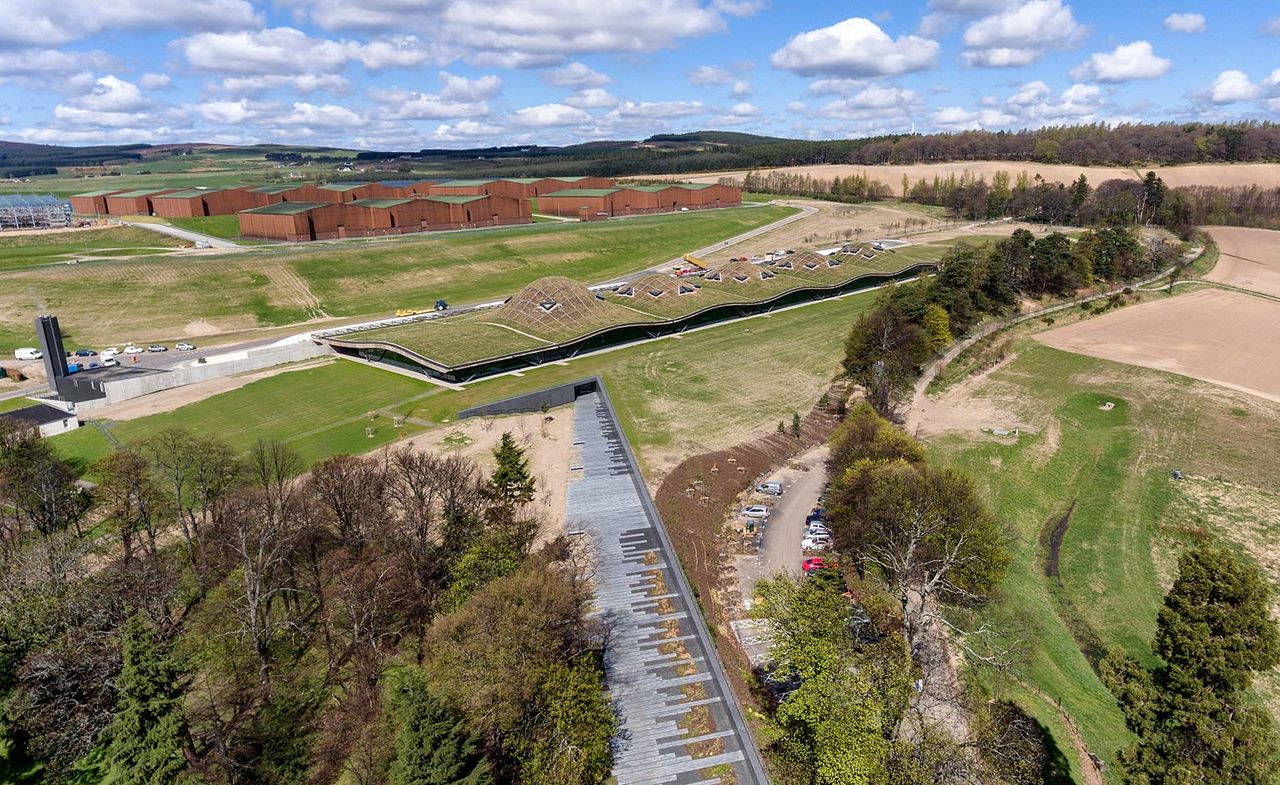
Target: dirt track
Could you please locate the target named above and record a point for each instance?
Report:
(1264, 175)
(1249, 258)
(1227, 338)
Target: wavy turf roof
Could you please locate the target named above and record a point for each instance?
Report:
(106, 192)
(286, 208)
(584, 192)
(276, 189)
(463, 183)
(380, 203)
(191, 193)
(454, 198)
(343, 187)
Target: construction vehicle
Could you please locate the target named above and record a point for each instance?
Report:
(701, 264)
(441, 305)
(408, 312)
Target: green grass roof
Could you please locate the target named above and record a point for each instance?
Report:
(342, 186)
(190, 193)
(576, 179)
(523, 180)
(652, 189)
(380, 203)
(463, 183)
(107, 192)
(454, 198)
(276, 189)
(285, 208)
(583, 192)
(143, 192)
(693, 186)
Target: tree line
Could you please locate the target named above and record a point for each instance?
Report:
(889, 344)
(202, 616)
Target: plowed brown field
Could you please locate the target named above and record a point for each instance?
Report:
(1248, 258)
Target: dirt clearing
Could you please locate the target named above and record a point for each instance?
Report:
(1248, 258)
(1221, 337)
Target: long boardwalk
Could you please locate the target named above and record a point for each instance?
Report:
(680, 724)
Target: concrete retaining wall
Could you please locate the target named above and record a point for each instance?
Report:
(534, 401)
(253, 360)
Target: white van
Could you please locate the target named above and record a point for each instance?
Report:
(27, 353)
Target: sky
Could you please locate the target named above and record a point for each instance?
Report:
(413, 74)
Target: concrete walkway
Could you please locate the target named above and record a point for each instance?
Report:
(679, 721)
(185, 234)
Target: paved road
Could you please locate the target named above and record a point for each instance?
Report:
(185, 234)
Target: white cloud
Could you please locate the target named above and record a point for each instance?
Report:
(873, 97)
(943, 15)
(93, 118)
(43, 63)
(230, 112)
(549, 115)
(744, 109)
(709, 75)
(577, 76)
(396, 52)
(658, 109)
(856, 47)
(155, 81)
(464, 129)
(460, 88)
(113, 94)
(303, 83)
(836, 86)
(41, 23)
(739, 7)
(955, 118)
(277, 50)
(741, 87)
(592, 98)
(1125, 63)
(1030, 93)
(1184, 23)
(327, 116)
(1232, 86)
(1270, 27)
(1022, 35)
(410, 105)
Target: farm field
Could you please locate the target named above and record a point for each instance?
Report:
(27, 250)
(1224, 337)
(1248, 258)
(1108, 469)
(676, 396)
(1262, 175)
(148, 300)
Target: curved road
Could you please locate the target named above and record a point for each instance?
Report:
(185, 234)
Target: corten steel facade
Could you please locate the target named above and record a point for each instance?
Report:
(303, 221)
(93, 202)
(135, 202)
(634, 201)
(298, 221)
(203, 201)
(514, 187)
(578, 182)
(274, 194)
(392, 216)
(712, 195)
(459, 188)
(399, 189)
(585, 203)
(344, 192)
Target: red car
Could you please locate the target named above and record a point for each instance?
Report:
(814, 564)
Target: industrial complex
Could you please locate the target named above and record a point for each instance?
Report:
(307, 211)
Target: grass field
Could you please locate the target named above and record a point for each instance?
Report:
(26, 250)
(676, 396)
(160, 299)
(227, 226)
(1111, 471)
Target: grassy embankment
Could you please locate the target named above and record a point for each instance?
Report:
(161, 299)
(676, 396)
(29, 250)
(1128, 519)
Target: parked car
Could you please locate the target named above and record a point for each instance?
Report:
(73, 368)
(131, 349)
(94, 364)
(811, 566)
(108, 362)
(756, 511)
(810, 544)
(155, 347)
(112, 352)
(27, 353)
(818, 528)
(183, 346)
(772, 488)
(86, 353)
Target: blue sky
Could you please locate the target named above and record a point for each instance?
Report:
(407, 74)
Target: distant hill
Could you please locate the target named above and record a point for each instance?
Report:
(718, 137)
(20, 159)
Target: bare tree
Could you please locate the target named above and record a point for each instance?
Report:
(353, 493)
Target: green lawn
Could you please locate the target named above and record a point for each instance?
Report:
(159, 299)
(226, 226)
(676, 396)
(1119, 550)
(18, 251)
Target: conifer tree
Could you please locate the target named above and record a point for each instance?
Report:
(511, 484)
(147, 740)
(432, 745)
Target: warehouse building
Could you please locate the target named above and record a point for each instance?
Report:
(136, 202)
(460, 188)
(575, 182)
(712, 194)
(197, 202)
(273, 194)
(303, 221)
(393, 216)
(585, 203)
(93, 202)
(344, 192)
(400, 189)
(300, 221)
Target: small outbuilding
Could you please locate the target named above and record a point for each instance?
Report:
(49, 420)
(196, 202)
(93, 202)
